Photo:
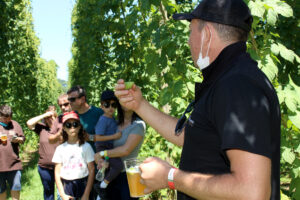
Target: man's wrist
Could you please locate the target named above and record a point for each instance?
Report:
(171, 178)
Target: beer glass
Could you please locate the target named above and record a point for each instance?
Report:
(4, 139)
(134, 176)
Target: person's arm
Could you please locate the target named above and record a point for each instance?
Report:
(100, 138)
(132, 141)
(33, 121)
(58, 182)
(57, 137)
(161, 122)
(19, 136)
(250, 178)
(56, 132)
(18, 139)
(90, 181)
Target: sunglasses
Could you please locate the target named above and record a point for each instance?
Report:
(70, 125)
(182, 120)
(72, 99)
(107, 104)
(64, 104)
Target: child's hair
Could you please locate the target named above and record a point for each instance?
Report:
(108, 95)
(81, 135)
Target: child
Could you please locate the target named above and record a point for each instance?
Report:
(74, 169)
(107, 126)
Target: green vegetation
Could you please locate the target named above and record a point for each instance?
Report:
(28, 83)
(64, 85)
(138, 41)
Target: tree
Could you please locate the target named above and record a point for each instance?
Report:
(136, 40)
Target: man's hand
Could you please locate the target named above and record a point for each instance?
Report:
(17, 140)
(66, 197)
(154, 173)
(49, 114)
(132, 98)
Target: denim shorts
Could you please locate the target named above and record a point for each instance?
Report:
(12, 178)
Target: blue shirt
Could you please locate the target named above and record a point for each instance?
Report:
(89, 120)
(106, 126)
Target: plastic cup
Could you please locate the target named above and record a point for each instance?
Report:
(134, 176)
(4, 139)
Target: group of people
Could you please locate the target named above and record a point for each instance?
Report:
(67, 147)
(231, 140)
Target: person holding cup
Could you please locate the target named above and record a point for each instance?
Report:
(127, 147)
(10, 164)
(231, 140)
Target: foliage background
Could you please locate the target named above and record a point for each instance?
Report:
(138, 41)
(28, 83)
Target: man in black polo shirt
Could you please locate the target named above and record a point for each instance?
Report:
(231, 141)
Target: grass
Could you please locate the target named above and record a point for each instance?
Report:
(32, 188)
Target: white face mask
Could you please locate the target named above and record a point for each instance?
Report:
(203, 62)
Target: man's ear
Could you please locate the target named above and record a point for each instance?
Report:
(207, 30)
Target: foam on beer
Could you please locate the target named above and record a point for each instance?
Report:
(133, 170)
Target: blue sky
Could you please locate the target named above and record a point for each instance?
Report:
(52, 25)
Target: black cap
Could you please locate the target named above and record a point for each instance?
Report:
(229, 12)
(108, 95)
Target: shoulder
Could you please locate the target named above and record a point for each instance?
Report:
(139, 124)
(96, 110)
(243, 79)
(103, 118)
(61, 146)
(16, 125)
(87, 146)
(39, 127)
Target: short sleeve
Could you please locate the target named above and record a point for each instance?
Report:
(38, 128)
(19, 131)
(55, 125)
(138, 128)
(100, 128)
(57, 158)
(89, 153)
(241, 112)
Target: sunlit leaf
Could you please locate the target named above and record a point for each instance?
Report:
(256, 8)
(271, 17)
(288, 156)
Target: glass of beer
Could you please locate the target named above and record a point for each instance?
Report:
(4, 139)
(134, 176)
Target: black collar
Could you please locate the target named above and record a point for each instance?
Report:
(219, 66)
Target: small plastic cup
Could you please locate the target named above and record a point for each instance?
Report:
(4, 139)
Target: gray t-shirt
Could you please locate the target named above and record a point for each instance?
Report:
(138, 127)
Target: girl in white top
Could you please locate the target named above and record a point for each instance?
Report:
(74, 169)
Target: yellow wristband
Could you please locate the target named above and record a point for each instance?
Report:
(103, 153)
